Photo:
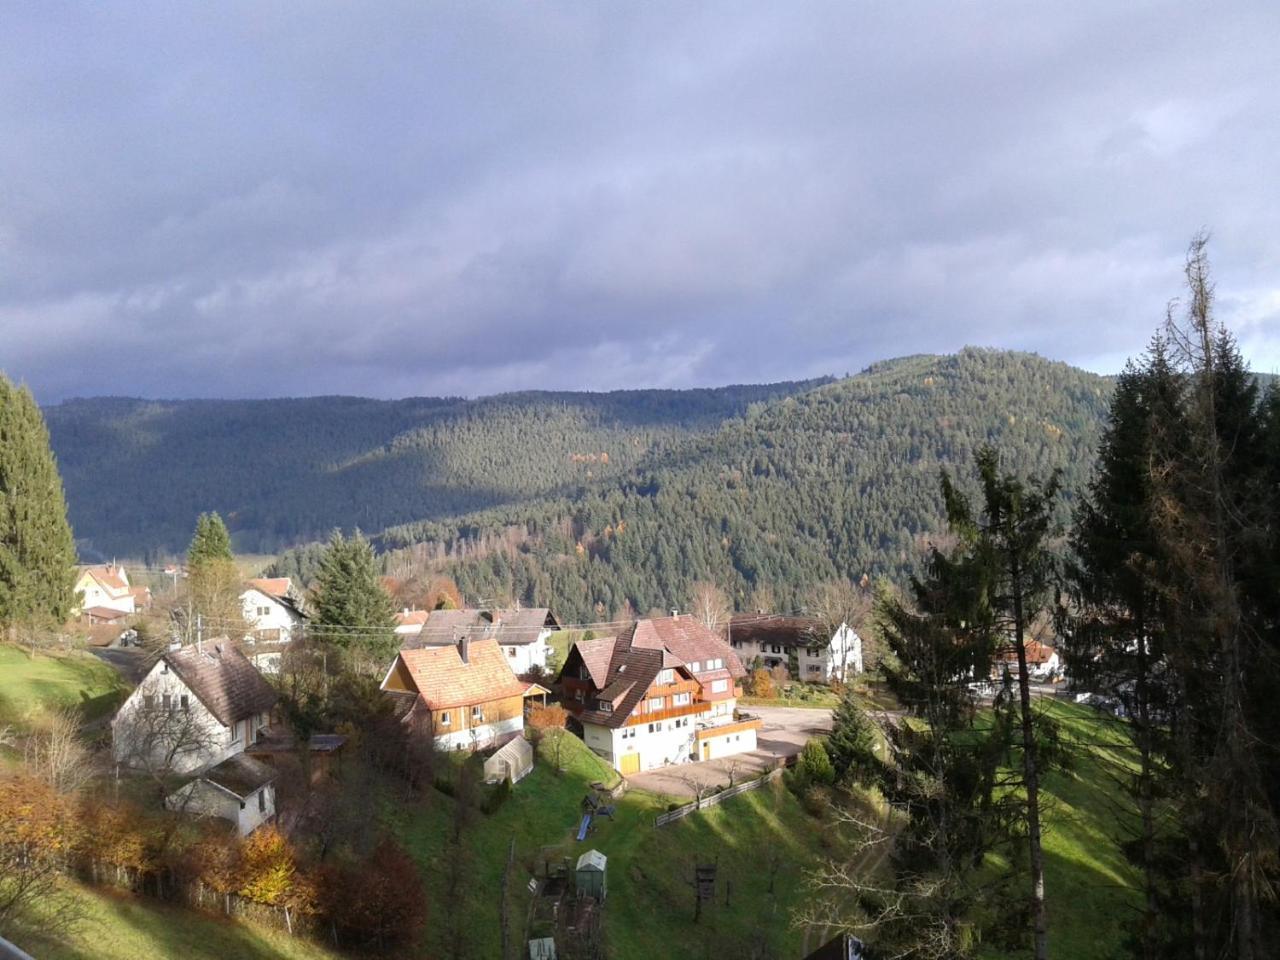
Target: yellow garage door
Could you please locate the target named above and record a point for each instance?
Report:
(630, 763)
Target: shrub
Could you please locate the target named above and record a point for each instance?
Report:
(814, 766)
(496, 796)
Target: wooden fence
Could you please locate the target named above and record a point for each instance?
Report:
(679, 813)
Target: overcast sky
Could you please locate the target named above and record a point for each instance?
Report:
(264, 199)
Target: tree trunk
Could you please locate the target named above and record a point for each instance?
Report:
(1031, 775)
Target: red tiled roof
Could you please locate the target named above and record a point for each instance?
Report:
(508, 627)
(1037, 652)
(105, 613)
(109, 577)
(775, 628)
(273, 586)
(687, 639)
(407, 618)
(443, 680)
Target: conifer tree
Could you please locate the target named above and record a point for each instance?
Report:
(851, 744)
(213, 582)
(352, 610)
(37, 550)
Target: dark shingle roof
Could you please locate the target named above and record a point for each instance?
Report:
(777, 629)
(223, 680)
(508, 627)
(240, 775)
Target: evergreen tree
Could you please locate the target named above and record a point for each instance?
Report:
(37, 550)
(1005, 550)
(211, 542)
(213, 583)
(352, 610)
(851, 745)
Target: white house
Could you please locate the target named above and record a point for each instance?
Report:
(195, 707)
(107, 587)
(661, 692)
(821, 655)
(523, 634)
(270, 610)
(239, 789)
(1043, 662)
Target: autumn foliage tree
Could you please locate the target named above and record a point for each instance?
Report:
(377, 902)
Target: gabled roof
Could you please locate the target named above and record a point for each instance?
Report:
(508, 627)
(443, 680)
(223, 679)
(278, 587)
(773, 628)
(107, 614)
(240, 775)
(407, 618)
(110, 577)
(687, 639)
(1037, 653)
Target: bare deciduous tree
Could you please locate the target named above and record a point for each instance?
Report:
(56, 754)
(710, 606)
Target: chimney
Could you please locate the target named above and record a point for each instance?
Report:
(464, 643)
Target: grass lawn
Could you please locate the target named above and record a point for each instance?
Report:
(1091, 888)
(119, 926)
(649, 911)
(51, 680)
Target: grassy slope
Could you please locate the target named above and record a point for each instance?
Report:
(123, 927)
(1092, 889)
(649, 911)
(59, 680)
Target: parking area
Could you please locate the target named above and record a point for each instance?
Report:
(783, 733)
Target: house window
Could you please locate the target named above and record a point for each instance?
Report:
(815, 668)
(445, 719)
(186, 704)
(605, 706)
(681, 699)
(477, 714)
(264, 611)
(775, 649)
(651, 728)
(666, 676)
(168, 703)
(235, 733)
(655, 703)
(693, 667)
(262, 800)
(149, 701)
(719, 686)
(511, 651)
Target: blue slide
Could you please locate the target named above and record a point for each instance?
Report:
(582, 830)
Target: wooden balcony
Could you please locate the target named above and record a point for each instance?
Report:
(688, 710)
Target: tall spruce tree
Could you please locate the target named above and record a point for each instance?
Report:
(37, 550)
(1006, 549)
(213, 582)
(352, 611)
(1174, 588)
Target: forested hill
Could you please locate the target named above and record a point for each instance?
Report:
(138, 472)
(838, 481)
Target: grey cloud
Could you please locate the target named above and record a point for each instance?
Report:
(256, 200)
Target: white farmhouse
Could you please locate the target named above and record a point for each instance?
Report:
(195, 710)
(523, 634)
(820, 654)
(663, 691)
(270, 610)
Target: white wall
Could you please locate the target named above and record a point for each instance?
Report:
(96, 596)
(523, 657)
(264, 612)
(203, 740)
(480, 736)
(727, 744)
(202, 798)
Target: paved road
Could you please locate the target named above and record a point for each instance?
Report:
(130, 661)
(783, 733)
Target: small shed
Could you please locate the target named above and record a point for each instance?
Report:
(589, 877)
(512, 762)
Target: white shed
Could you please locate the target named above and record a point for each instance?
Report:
(512, 762)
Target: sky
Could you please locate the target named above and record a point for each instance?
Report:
(284, 199)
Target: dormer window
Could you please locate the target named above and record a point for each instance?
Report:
(605, 706)
(693, 667)
(667, 676)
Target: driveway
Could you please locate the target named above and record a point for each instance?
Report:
(132, 663)
(783, 733)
